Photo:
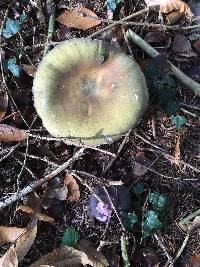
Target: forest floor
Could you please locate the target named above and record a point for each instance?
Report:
(155, 166)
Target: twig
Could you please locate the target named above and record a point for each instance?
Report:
(190, 217)
(182, 247)
(126, 262)
(194, 86)
(188, 112)
(70, 143)
(50, 25)
(163, 26)
(117, 155)
(113, 207)
(12, 149)
(28, 170)
(165, 154)
(143, 11)
(17, 196)
(162, 245)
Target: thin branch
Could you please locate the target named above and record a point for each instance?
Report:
(194, 86)
(50, 25)
(17, 196)
(143, 11)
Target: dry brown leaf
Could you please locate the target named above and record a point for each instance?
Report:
(34, 200)
(29, 69)
(80, 18)
(96, 257)
(173, 17)
(10, 234)
(63, 257)
(9, 259)
(167, 6)
(73, 187)
(25, 241)
(41, 216)
(3, 103)
(194, 261)
(141, 164)
(9, 133)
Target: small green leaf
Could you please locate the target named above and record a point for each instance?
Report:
(138, 188)
(179, 121)
(151, 223)
(129, 219)
(159, 202)
(12, 27)
(13, 67)
(70, 237)
(23, 17)
(112, 4)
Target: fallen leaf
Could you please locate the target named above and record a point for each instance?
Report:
(26, 240)
(80, 18)
(9, 259)
(10, 234)
(96, 257)
(181, 46)
(194, 261)
(29, 69)
(3, 103)
(73, 187)
(158, 39)
(33, 200)
(10, 133)
(39, 215)
(168, 6)
(140, 164)
(173, 17)
(100, 208)
(194, 72)
(196, 45)
(63, 256)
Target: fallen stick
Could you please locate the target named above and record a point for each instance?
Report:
(194, 86)
(116, 23)
(19, 195)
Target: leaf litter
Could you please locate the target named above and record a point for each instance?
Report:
(138, 191)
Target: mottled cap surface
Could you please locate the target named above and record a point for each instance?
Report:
(87, 90)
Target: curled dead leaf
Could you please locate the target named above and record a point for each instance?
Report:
(140, 164)
(26, 240)
(39, 215)
(10, 234)
(73, 187)
(80, 18)
(10, 134)
(63, 256)
(96, 257)
(9, 259)
(168, 6)
(194, 261)
(3, 103)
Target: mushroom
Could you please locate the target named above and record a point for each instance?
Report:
(88, 90)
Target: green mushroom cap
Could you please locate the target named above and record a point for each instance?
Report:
(87, 90)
